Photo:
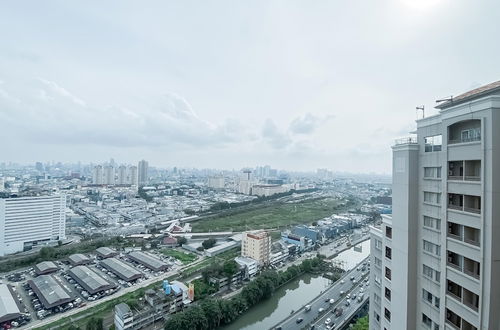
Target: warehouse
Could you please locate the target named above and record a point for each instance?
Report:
(9, 306)
(148, 261)
(49, 291)
(106, 252)
(89, 280)
(45, 267)
(79, 259)
(121, 269)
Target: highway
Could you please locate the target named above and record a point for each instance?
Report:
(321, 308)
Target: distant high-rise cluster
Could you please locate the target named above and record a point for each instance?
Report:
(109, 175)
(143, 172)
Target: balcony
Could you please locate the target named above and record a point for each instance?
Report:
(465, 203)
(465, 131)
(465, 234)
(469, 170)
(464, 296)
(406, 140)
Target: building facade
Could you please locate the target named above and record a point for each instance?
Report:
(29, 221)
(257, 245)
(143, 172)
(97, 175)
(445, 219)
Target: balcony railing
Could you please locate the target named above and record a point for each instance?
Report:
(471, 306)
(472, 178)
(470, 273)
(455, 207)
(406, 140)
(451, 324)
(465, 140)
(454, 296)
(473, 242)
(454, 236)
(455, 177)
(472, 210)
(455, 266)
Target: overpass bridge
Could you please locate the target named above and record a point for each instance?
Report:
(321, 308)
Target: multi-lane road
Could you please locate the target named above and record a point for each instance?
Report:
(322, 307)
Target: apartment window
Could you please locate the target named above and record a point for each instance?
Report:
(432, 197)
(376, 298)
(433, 223)
(387, 314)
(377, 280)
(377, 317)
(378, 244)
(388, 273)
(426, 321)
(437, 302)
(388, 252)
(388, 294)
(378, 262)
(432, 172)
(427, 296)
(432, 248)
(431, 273)
(388, 232)
(433, 143)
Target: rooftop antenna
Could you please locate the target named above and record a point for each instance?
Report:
(422, 108)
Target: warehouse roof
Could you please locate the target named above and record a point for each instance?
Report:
(49, 291)
(79, 259)
(45, 267)
(148, 260)
(124, 271)
(89, 280)
(106, 252)
(9, 308)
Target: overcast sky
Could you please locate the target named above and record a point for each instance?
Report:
(224, 84)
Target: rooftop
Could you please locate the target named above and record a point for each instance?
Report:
(78, 258)
(90, 280)
(50, 292)
(121, 269)
(147, 260)
(474, 93)
(8, 306)
(45, 266)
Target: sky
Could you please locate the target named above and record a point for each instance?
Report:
(298, 85)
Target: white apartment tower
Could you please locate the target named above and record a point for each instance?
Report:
(143, 172)
(440, 253)
(122, 175)
(132, 175)
(109, 175)
(256, 245)
(29, 221)
(97, 175)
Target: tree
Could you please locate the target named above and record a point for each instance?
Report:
(200, 248)
(229, 268)
(59, 243)
(181, 240)
(95, 324)
(208, 243)
(361, 324)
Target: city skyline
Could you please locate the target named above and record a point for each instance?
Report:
(225, 85)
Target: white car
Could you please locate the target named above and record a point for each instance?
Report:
(328, 321)
(342, 282)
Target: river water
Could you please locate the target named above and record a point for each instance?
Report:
(295, 294)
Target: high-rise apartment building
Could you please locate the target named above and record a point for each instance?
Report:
(132, 175)
(109, 175)
(97, 175)
(29, 221)
(216, 182)
(122, 175)
(437, 260)
(256, 245)
(143, 172)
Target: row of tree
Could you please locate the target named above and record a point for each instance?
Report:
(211, 313)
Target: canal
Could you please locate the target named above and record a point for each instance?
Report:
(295, 294)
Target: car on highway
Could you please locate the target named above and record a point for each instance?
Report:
(321, 310)
(328, 321)
(307, 308)
(332, 301)
(338, 311)
(342, 282)
(341, 293)
(348, 296)
(299, 320)
(347, 302)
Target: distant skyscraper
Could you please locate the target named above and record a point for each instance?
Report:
(97, 175)
(109, 175)
(143, 172)
(39, 166)
(132, 176)
(122, 175)
(28, 221)
(2, 184)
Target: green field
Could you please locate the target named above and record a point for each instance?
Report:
(275, 215)
(185, 258)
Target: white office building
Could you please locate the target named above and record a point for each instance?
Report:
(216, 182)
(441, 249)
(122, 176)
(29, 221)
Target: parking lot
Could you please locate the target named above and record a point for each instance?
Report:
(74, 286)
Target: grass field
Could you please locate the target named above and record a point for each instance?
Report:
(185, 258)
(275, 215)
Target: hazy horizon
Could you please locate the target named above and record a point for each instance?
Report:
(297, 85)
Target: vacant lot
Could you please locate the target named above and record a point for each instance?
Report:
(275, 215)
(185, 258)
